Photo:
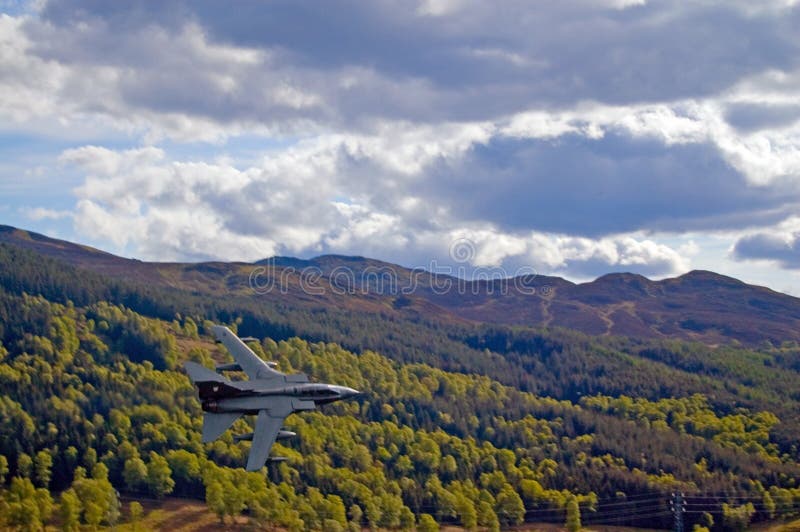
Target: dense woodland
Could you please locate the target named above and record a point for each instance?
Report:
(479, 426)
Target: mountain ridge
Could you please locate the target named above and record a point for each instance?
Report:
(699, 305)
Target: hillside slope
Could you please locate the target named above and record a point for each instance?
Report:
(95, 386)
(700, 305)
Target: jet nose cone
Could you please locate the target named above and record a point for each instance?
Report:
(349, 392)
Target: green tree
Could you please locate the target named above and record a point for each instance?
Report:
(27, 508)
(234, 497)
(185, 469)
(331, 525)
(427, 523)
(706, 520)
(335, 509)
(69, 511)
(290, 519)
(119, 422)
(190, 328)
(114, 507)
(97, 496)
(215, 499)
(573, 523)
(509, 507)
(90, 458)
(487, 516)
(391, 506)
(3, 469)
(93, 509)
(372, 509)
(356, 516)
(45, 503)
(769, 504)
(466, 512)
(24, 465)
(134, 473)
(100, 471)
(406, 518)
(448, 467)
(159, 479)
(737, 517)
(135, 513)
(43, 464)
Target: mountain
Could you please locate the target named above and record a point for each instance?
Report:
(472, 423)
(700, 305)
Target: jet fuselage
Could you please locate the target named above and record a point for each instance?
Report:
(221, 398)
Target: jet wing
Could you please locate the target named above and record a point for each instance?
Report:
(244, 356)
(268, 425)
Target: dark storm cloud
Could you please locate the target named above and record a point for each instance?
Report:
(784, 249)
(593, 187)
(477, 62)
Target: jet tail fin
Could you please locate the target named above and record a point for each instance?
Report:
(215, 424)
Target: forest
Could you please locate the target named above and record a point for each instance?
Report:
(481, 426)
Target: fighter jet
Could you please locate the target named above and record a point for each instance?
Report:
(269, 394)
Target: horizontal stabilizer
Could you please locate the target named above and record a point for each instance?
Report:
(200, 373)
(215, 424)
(210, 384)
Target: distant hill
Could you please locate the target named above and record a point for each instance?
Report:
(700, 305)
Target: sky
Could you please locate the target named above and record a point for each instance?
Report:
(574, 138)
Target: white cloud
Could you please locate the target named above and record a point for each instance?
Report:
(371, 194)
(483, 247)
(41, 213)
(438, 8)
(561, 135)
(161, 209)
(689, 249)
(590, 258)
(562, 253)
(105, 162)
(27, 83)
